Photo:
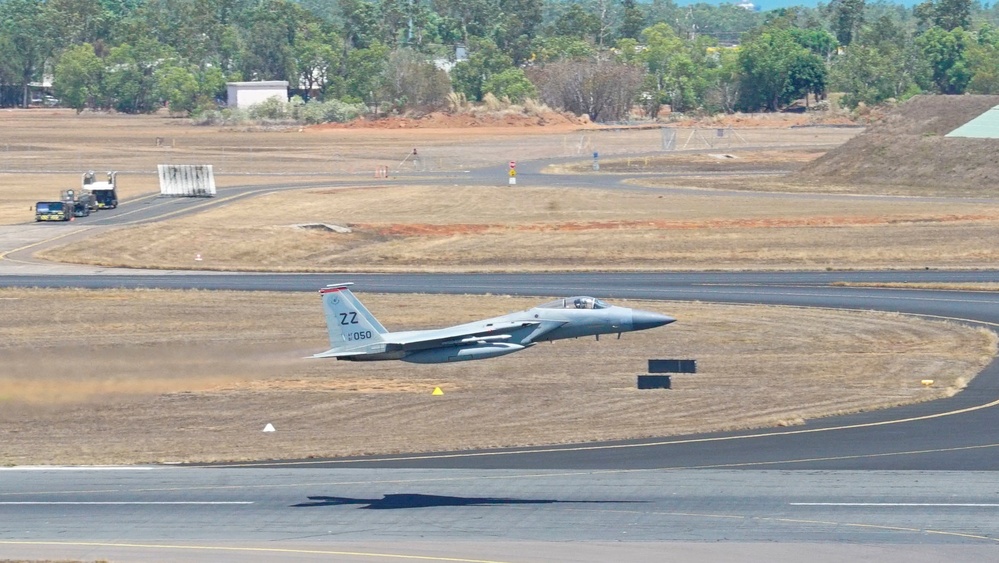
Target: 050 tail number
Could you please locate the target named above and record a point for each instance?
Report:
(351, 319)
(360, 335)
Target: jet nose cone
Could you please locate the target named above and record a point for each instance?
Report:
(641, 320)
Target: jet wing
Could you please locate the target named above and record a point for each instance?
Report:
(396, 344)
(464, 335)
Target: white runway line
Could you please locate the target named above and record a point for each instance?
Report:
(902, 504)
(123, 503)
(76, 468)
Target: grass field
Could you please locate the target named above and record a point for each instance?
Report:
(45, 151)
(117, 376)
(447, 228)
(409, 223)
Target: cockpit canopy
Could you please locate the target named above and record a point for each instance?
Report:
(579, 302)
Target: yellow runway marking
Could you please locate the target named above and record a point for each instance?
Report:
(3, 255)
(210, 202)
(839, 458)
(257, 550)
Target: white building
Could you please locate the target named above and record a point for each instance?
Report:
(246, 94)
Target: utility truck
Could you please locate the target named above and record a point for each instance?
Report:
(81, 204)
(53, 211)
(105, 192)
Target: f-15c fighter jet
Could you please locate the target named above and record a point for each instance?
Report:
(357, 336)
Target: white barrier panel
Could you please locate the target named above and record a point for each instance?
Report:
(187, 180)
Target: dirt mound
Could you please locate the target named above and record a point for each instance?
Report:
(443, 120)
(908, 147)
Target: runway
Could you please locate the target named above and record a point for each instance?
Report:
(497, 515)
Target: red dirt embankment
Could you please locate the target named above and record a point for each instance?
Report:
(423, 229)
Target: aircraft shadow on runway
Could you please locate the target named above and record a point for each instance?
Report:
(396, 501)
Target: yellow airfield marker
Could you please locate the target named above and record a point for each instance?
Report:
(437, 391)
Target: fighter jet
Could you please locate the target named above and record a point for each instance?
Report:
(356, 335)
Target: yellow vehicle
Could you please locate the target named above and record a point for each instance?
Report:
(53, 211)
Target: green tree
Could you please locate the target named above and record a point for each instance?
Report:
(818, 41)
(395, 19)
(766, 62)
(945, 52)
(27, 43)
(722, 91)
(364, 80)
(178, 86)
(945, 14)
(77, 77)
(269, 40)
(983, 62)
(472, 18)
(882, 63)
(129, 81)
(516, 27)
(549, 48)
(847, 18)
(632, 20)
(318, 53)
(807, 75)
(726, 23)
(361, 23)
(74, 22)
(485, 59)
(512, 84)
(574, 21)
(675, 69)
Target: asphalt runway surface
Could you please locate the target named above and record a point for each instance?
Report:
(915, 483)
(224, 514)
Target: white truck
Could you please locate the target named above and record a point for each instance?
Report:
(106, 193)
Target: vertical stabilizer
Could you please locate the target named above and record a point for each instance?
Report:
(348, 321)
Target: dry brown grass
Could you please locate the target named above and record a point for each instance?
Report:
(730, 161)
(493, 229)
(43, 151)
(785, 185)
(144, 376)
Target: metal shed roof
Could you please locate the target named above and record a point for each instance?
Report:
(985, 126)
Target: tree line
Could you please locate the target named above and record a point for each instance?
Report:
(596, 57)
